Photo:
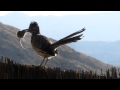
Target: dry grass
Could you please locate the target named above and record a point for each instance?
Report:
(12, 70)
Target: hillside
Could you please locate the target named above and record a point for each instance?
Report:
(107, 52)
(68, 58)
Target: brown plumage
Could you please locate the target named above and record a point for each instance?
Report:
(43, 45)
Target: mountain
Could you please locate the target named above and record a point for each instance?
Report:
(99, 26)
(107, 52)
(68, 58)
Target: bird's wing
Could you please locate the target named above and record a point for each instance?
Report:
(43, 44)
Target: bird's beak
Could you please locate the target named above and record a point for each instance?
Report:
(26, 30)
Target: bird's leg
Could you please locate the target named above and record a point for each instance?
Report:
(42, 61)
(46, 62)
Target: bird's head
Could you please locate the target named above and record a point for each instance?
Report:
(33, 28)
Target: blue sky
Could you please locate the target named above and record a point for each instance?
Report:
(56, 13)
(100, 26)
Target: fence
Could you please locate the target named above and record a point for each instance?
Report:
(12, 70)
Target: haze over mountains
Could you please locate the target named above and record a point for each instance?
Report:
(101, 39)
(107, 52)
(100, 26)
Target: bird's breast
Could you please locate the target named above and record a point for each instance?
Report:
(42, 46)
(41, 53)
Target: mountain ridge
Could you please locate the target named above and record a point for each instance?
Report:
(97, 24)
(107, 52)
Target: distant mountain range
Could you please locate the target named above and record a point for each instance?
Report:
(68, 58)
(107, 52)
(99, 26)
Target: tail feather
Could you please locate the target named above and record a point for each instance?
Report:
(80, 31)
(67, 40)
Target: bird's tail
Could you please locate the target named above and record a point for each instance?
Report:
(69, 39)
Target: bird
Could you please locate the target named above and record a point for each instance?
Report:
(44, 47)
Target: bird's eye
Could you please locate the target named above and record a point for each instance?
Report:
(33, 28)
